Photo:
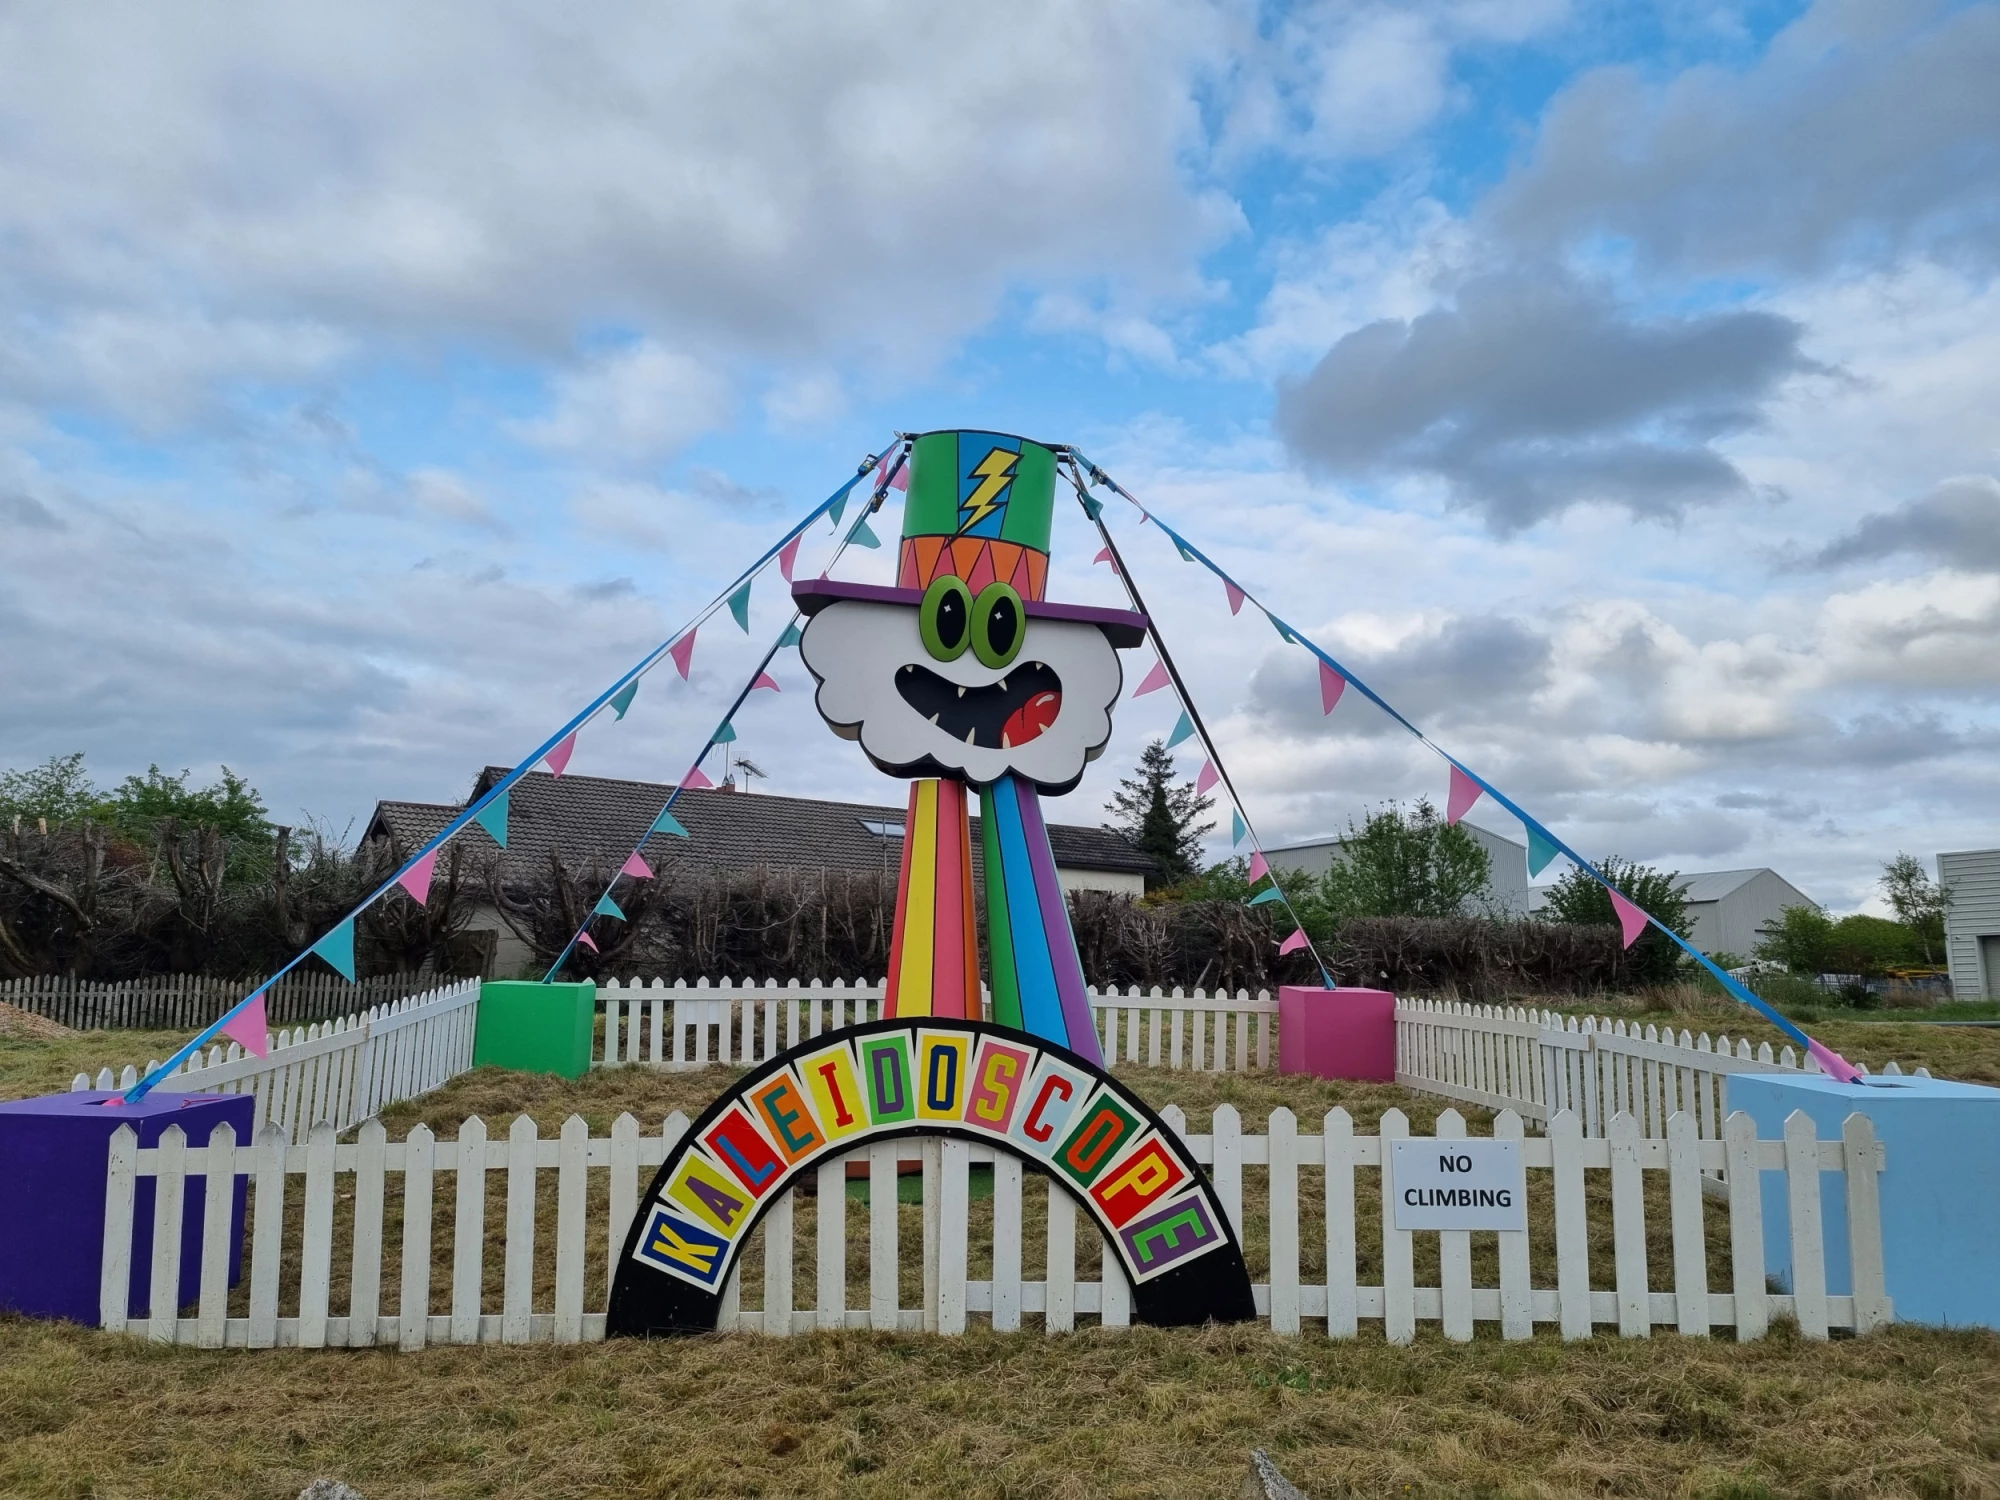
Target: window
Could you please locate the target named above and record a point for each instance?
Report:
(883, 830)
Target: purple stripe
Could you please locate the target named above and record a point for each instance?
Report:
(1055, 922)
(813, 594)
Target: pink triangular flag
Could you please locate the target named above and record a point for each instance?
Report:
(788, 555)
(417, 879)
(558, 758)
(1104, 555)
(1258, 868)
(682, 651)
(636, 867)
(695, 778)
(1831, 1063)
(587, 940)
(1293, 943)
(1208, 777)
(250, 1027)
(1631, 920)
(1331, 686)
(900, 482)
(1145, 516)
(1464, 792)
(1155, 680)
(765, 680)
(1236, 596)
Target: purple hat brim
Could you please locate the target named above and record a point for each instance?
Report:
(1125, 628)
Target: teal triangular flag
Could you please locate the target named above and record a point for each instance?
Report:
(1181, 730)
(838, 506)
(739, 606)
(725, 733)
(1181, 547)
(1273, 894)
(1237, 828)
(1282, 628)
(622, 699)
(493, 818)
(337, 948)
(861, 536)
(1092, 507)
(791, 637)
(1541, 849)
(666, 822)
(606, 907)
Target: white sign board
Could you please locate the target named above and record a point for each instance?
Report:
(1443, 1184)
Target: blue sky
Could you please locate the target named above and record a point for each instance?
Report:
(1612, 384)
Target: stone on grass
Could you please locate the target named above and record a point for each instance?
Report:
(1266, 1483)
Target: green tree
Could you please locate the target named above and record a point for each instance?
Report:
(232, 807)
(1920, 903)
(1162, 816)
(1661, 894)
(1800, 938)
(58, 791)
(1405, 863)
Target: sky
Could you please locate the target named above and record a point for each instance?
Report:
(1613, 386)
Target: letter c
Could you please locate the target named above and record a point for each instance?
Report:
(1032, 1127)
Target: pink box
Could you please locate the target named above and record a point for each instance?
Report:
(1339, 1033)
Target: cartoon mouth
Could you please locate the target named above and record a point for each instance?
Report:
(999, 716)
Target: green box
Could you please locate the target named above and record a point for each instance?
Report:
(536, 1027)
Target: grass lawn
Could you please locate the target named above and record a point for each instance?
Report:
(1141, 1413)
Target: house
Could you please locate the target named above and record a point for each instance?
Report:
(597, 818)
(1972, 926)
(1506, 893)
(1728, 907)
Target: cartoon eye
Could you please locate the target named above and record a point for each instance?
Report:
(945, 618)
(998, 618)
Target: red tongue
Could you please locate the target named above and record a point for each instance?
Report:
(1030, 719)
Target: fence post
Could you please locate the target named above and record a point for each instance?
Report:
(1808, 1248)
(121, 1181)
(1864, 1223)
(1284, 1216)
(1746, 1227)
(1399, 1308)
(1572, 1227)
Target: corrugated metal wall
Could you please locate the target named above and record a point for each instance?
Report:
(1974, 878)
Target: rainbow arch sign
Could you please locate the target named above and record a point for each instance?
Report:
(929, 1076)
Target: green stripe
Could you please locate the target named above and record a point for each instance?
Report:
(999, 926)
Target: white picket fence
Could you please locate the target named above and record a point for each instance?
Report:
(689, 1026)
(339, 1071)
(1537, 1063)
(299, 1310)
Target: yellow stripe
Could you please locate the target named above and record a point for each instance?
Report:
(913, 986)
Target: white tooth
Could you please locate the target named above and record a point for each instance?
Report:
(1003, 684)
(961, 692)
(934, 718)
(969, 734)
(1005, 743)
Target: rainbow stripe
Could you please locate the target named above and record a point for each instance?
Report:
(934, 958)
(1037, 977)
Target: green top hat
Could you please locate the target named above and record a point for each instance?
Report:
(981, 484)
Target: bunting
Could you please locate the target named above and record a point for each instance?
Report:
(250, 1026)
(834, 510)
(1331, 686)
(493, 818)
(861, 536)
(725, 732)
(1154, 681)
(1464, 792)
(766, 680)
(1181, 547)
(1092, 506)
(792, 636)
(667, 823)
(1208, 777)
(739, 606)
(1258, 868)
(1235, 596)
(1293, 943)
(636, 867)
(1104, 556)
(587, 940)
(622, 699)
(1182, 730)
(417, 879)
(1541, 849)
(1237, 828)
(1284, 630)
(606, 907)
(337, 948)
(1264, 897)
(697, 780)
(1631, 921)
(788, 557)
(682, 651)
(557, 760)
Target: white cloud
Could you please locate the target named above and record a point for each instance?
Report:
(634, 405)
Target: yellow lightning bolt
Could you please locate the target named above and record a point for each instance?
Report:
(995, 473)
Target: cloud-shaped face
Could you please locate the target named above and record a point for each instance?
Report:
(945, 687)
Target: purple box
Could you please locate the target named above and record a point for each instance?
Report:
(54, 1154)
(1339, 1033)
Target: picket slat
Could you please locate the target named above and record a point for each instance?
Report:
(1808, 1247)
(468, 1231)
(163, 1292)
(218, 1216)
(414, 1289)
(1517, 1316)
(1455, 1254)
(1399, 1314)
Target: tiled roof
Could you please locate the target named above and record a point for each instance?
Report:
(597, 817)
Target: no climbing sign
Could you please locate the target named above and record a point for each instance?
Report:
(1460, 1184)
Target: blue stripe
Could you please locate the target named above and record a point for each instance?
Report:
(1041, 1005)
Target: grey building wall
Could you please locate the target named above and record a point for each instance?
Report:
(1729, 922)
(1972, 928)
(1507, 887)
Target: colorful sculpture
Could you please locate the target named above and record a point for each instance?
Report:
(964, 676)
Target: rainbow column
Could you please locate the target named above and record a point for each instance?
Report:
(1037, 977)
(934, 959)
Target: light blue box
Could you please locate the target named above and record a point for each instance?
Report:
(1940, 1189)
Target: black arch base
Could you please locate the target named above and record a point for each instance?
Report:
(924, 1076)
